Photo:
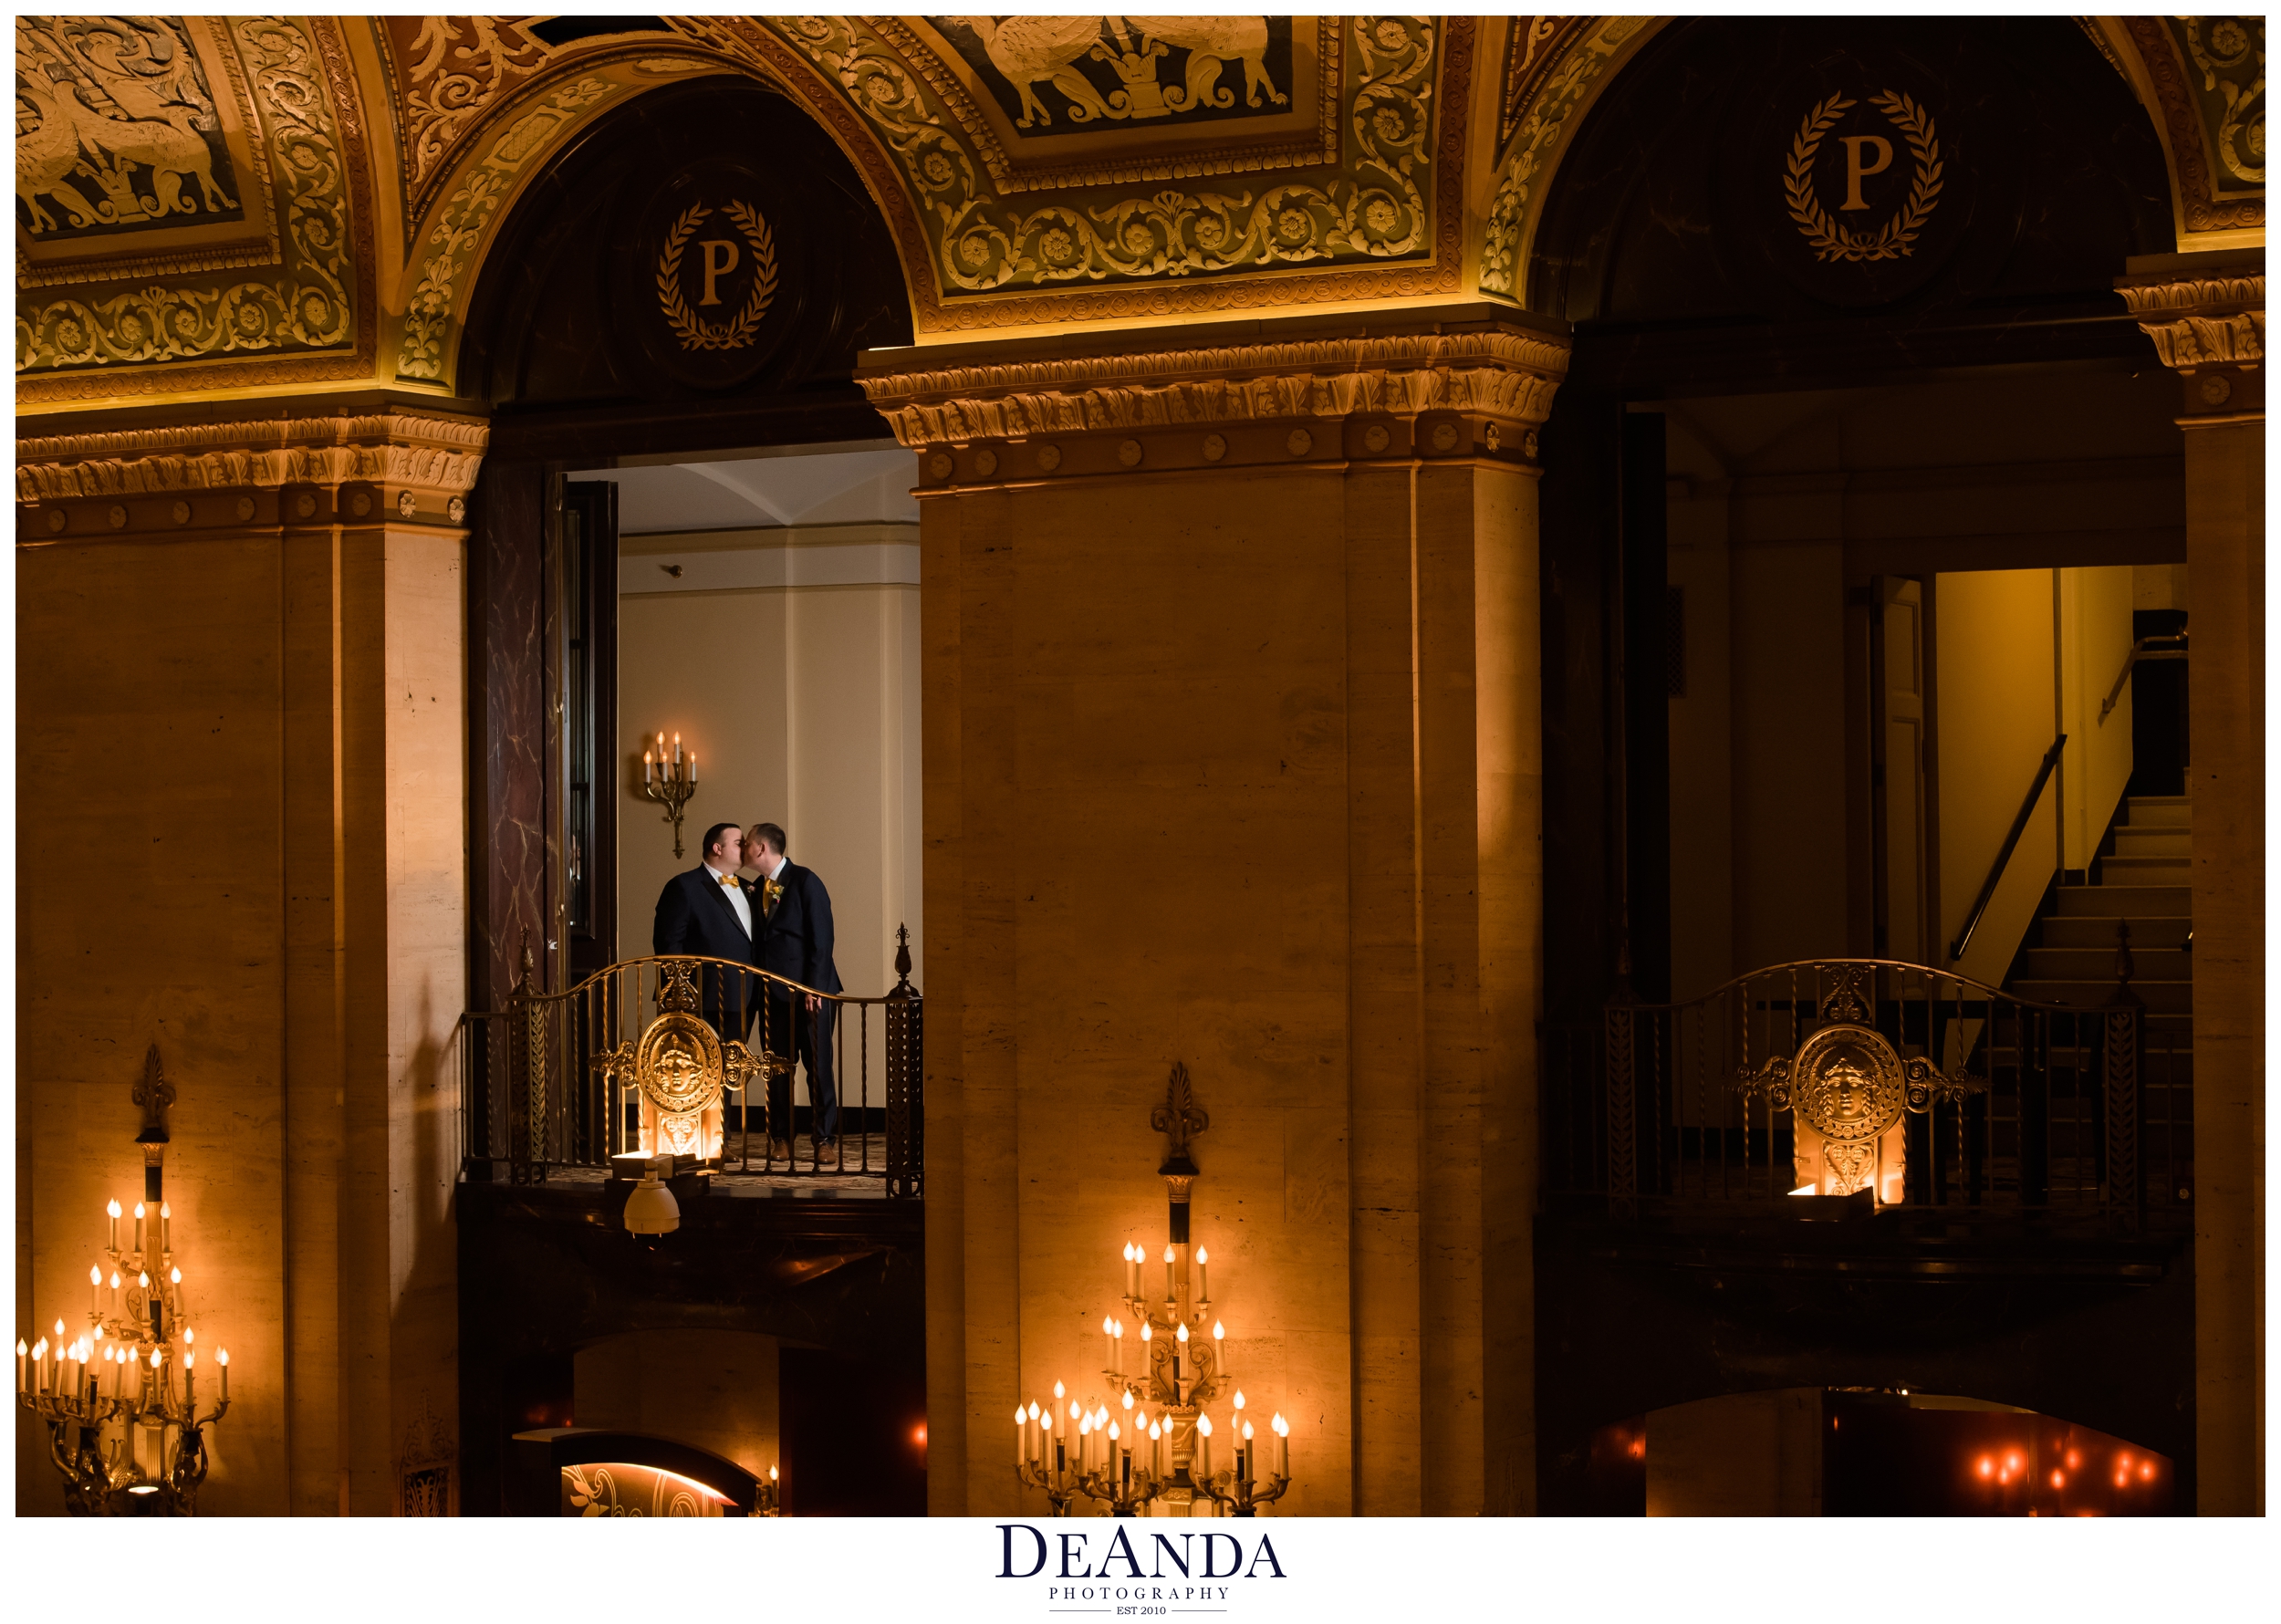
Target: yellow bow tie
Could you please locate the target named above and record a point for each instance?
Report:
(729, 880)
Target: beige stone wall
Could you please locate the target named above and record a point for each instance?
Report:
(261, 868)
(1240, 768)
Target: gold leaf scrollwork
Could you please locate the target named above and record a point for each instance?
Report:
(736, 334)
(308, 309)
(1540, 127)
(459, 225)
(1832, 241)
(1374, 208)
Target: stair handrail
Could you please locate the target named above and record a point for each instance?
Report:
(2003, 857)
(2144, 649)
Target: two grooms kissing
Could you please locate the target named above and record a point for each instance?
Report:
(781, 924)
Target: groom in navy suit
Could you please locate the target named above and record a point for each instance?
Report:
(796, 942)
(711, 913)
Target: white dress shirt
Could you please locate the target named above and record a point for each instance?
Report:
(736, 898)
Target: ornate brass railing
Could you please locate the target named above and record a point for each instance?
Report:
(548, 1083)
(1973, 1099)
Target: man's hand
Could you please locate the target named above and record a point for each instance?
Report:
(815, 1003)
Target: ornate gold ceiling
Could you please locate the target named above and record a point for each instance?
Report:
(213, 204)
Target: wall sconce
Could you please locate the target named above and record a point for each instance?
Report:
(670, 782)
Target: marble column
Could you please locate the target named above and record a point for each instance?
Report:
(2206, 314)
(1232, 759)
(246, 647)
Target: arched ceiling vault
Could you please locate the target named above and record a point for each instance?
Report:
(1036, 173)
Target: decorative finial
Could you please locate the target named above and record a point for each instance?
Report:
(902, 955)
(153, 1093)
(1179, 1119)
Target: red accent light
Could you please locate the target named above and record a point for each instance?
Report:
(2147, 1472)
(919, 1434)
(2059, 1480)
(1987, 1467)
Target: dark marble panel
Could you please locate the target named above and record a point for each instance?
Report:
(507, 725)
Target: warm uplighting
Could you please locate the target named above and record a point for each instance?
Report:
(140, 1431)
(1806, 1190)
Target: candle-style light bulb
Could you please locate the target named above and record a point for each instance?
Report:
(1073, 1407)
(60, 1333)
(1127, 1402)
(189, 1335)
(1146, 1334)
(1033, 1409)
(1204, 1289)
(1183, 1332)
(1167, 1273)
(176, 1275)
(145, 1279)
(1059, 1392)
(772, 1475)
(1239, 1397)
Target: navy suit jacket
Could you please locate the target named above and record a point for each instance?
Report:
(796, 940)
(696, 916)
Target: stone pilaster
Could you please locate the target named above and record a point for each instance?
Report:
(2206, 314)
(243, 639)
(1231, 758)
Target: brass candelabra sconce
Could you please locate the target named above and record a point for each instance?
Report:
(139, 1448)
(1156, 1445)
(670, 781)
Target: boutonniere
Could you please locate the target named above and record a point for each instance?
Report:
(771, 891)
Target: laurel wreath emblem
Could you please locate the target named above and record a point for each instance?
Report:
(1830, 240)
(737, 332)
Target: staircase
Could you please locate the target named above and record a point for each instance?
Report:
(2146, 883)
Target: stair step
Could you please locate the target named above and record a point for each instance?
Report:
(2175, 809)
(2146, 870)
(2147, 935)
(2166, 997)
(2174, 843)
(2055, 963)
(2137, 900)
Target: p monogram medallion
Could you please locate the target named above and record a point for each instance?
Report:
(709, 273)
(1860, 175)
(1866, 155)
(718, 256)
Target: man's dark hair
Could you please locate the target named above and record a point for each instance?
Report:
(773, 835)
(712, 836)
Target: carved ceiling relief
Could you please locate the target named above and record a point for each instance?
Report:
(1322, 143)
(150, 150)
(2208, 76)
(1544, 97)
(1376, 204)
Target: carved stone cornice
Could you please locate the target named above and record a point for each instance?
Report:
(1495, 372)
(2206, 317)
(409, 452)
(2211, 321)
